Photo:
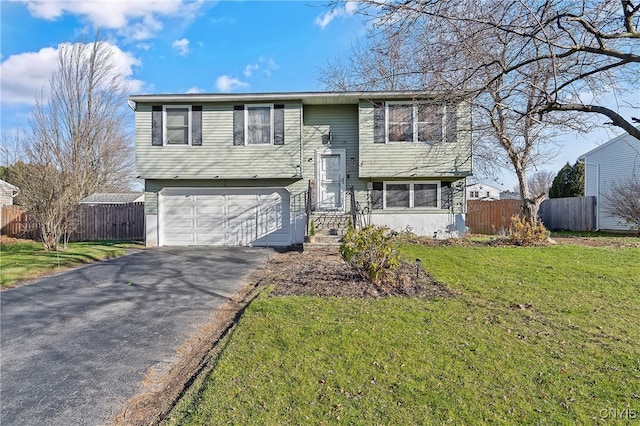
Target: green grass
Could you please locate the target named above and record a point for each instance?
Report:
(475, 358)
(26, 260)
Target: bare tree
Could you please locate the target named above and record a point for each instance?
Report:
(540, 182)
(623, 200)
(529, 64)
(12, 147)
(77, 142)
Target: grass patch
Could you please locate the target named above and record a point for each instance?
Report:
(23, 259)
(543, 335)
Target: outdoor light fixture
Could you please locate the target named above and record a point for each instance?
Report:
(418, 265)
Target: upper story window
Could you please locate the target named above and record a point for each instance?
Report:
(258, 124)
(176, 125)
(414, 122)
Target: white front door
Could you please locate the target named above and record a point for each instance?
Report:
(331, 179)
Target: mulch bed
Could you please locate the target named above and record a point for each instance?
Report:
(320, 271)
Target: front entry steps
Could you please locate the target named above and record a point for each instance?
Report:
(330, 227)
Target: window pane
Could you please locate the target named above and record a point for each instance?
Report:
(400, 123)
(430, 123)
(397, 195)
(259, 125)
(429, 133)
(425, 195)
(400, 133)
(177, 136)
(177, 117)
(400, 113)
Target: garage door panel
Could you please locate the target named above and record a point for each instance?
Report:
(225, 216)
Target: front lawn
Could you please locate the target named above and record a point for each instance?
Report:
(24, 259)
(545, 335)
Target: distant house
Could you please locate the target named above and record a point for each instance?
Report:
(7, 193)
(482, 191)
(605, 165)
(509, 195)
(114, 198)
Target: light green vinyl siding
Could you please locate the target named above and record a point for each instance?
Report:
(342, 121)
(411, 160)
(218, 156)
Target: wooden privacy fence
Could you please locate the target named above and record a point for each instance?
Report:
(491, 217)
(570, 214)
(94, 222)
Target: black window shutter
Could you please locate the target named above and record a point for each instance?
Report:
(238, 125)
(196, 125)
(156, 125)
(378, 123)
(376, 195)
(278, 124)
(451, 121)
(445, 195)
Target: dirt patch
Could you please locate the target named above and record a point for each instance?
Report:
(10, 240)
(322, 272)
(612, 242)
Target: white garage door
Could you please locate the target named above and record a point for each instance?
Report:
(224, 216)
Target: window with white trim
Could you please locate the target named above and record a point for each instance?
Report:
(414, 122)
(259, 125)
(177, 129)
(412, 195)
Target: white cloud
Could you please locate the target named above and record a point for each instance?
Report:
(350, 7)
(144, 46)
(194, 89)
(182, 46)
(22, 76)
(249, 69)
(263, 64)
(136, 19)
(142, 30)
(25, 75)
(225, 83)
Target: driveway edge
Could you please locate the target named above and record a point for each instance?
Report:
(162, 390)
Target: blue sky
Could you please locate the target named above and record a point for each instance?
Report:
(179, 46)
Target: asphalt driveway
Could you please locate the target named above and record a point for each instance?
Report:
(75, 346)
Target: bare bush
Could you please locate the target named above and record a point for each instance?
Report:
(623, 198)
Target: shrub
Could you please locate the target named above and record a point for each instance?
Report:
(370, 252)
(527, 232)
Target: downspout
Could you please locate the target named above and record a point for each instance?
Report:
(583, 160)
(306, 220)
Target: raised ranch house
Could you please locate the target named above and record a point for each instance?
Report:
(613, 161)
(254, 169)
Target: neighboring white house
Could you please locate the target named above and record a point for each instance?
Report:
(605, 165)
(7, 193)
(482, 191)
